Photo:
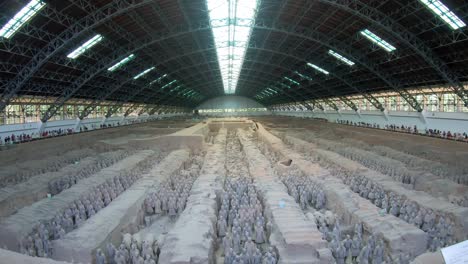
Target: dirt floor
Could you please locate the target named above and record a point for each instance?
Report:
(269, 190)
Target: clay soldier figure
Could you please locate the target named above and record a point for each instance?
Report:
(324, 230)
(157, 206)
(111, 253)
(320, 200)
(364, 255)
(358, 230)
(435, 244)
(100, 258)
(378, 254)
(119, 258)
(429, 220)
(222, 227)
(337, 231)
(340, 254)
(149, 260)
(355, 248)
(237, 242)
(229, 256)
(149, 206)
(259, 233)
(270, 259)
(371, 243)
(172, 208)
(38, 245)
(46, 246)
(250, 247)
(347, 244)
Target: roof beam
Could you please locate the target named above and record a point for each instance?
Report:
(74, 32)
(377, 18)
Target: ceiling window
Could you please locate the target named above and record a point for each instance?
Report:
(231, 22)
(377, 40)
(21, 18)
(85, 46)
(444, 13)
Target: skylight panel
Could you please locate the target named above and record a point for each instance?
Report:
(168, 84)
(284, 85)
(272, 90)
(143, 73)
(121, 63)
(292, 81)
(21, 18)
(341, 57)
(85, 46)
(231, 23)
(303, 76)
(443, 12)
(158, 79)
(377, 40)
(317, 68)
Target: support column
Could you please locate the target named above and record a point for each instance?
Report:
(386, 115)
(41, 127)
(422, 117)
(358, 112)
(77, 125)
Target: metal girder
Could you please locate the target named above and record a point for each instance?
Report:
(349, 103)
(263, 72)
(369, 97)
(348, 52)
(105, 94)
(120, 104)
(162, 101)
(315, 36)
(125, 79)
(78, 29)
(194, 36)
(364, 11)
(431, 22)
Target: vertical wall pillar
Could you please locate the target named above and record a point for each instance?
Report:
(422, 116)
(40, 128)
(358, 112)
(76, 126)
(386, 115)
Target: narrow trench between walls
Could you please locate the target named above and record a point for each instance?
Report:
(347, 242)
(243, 227)
(140, 241)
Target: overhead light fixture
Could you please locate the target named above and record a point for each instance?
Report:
(377, 40)
(143, 73)
(231, 22)
(318, 68)
(121, 63)
(292, 81)
(341, 57)
(443, 12)
(21, 18)
(85, 46)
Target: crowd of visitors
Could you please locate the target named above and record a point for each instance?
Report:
(410, 129)
(23, 137)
